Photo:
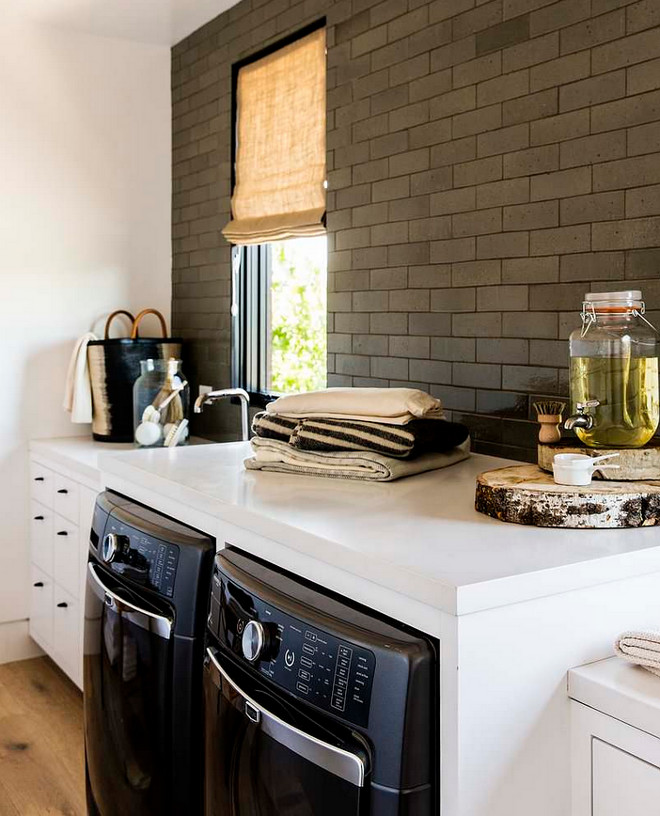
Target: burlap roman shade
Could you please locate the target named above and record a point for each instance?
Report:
(280, 147)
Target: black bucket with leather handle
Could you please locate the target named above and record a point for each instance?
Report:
(114, 365)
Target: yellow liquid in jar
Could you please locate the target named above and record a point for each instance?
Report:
(629, 395)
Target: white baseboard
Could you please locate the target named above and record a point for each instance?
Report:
(16, 643)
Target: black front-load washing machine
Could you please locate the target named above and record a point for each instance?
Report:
(313, 706)
(145, 612)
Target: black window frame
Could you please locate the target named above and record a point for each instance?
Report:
(251, 267)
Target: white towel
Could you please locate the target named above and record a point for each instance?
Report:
(394, 406)
(273, 455)
(642, 648)
(77, 389)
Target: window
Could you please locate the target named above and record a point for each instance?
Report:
(278, 218)
(280, 316)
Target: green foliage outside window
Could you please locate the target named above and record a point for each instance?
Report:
(298, 315)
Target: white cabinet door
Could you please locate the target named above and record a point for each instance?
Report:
(65, 497)
(66, 631)
(66, 555)
(41, 484)
(41, 536)
(615, 767)
(41, 607)
(623, 783)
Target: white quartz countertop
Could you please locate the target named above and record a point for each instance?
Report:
(79, 454)
(419, 536)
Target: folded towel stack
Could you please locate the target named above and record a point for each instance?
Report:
(376, 434)
(641, 648)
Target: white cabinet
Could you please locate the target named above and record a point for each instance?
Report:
(65, 497)
(615, 740)
(41, 536)
(41, 481)
(41, 606)
(66, 632)
(623, 783)
(66, 554)
(61, 509)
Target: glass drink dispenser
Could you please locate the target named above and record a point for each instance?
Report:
(614, 372)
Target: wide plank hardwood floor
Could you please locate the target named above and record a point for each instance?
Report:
(41, 741)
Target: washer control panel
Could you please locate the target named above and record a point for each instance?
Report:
(329, 672)
(140, 558)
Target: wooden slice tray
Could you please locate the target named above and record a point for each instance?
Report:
(525, 494)
(635, 464)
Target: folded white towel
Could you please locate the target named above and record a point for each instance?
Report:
(77, 389)
(271, 454)
(394, 406)
(642, 648)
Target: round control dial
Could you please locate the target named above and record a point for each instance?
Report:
(253, 641)
(112, 546)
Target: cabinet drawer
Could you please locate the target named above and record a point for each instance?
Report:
(65, 497)
(41, 536)
(41, 484)
(41, 606)
(66, 631)
(66, 555)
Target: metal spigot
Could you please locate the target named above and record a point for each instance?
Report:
(213, 396)
(582, 419)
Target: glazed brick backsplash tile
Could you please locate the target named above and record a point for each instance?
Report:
(488, 163)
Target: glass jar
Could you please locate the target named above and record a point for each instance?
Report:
(161, 401)
(614, 372)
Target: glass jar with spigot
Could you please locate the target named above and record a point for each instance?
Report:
(614, 372)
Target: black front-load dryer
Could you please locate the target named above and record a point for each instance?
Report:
(145, 610)
(313, 706)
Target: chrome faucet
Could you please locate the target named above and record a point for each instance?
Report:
(213, 396)
(582, 419)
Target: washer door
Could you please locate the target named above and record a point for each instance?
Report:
(259, 763)
(127, 682)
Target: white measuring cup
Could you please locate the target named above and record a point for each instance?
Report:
(577, 469)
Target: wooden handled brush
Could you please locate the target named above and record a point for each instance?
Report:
(549, 417)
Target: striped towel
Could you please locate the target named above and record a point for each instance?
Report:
(322, 435)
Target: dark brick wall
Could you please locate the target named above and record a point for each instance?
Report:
(488, 163)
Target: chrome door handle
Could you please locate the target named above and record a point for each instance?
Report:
(337, 761)
(160, 624)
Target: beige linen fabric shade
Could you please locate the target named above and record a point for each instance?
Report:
(280, 157)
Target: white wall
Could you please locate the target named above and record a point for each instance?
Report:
(84, 228)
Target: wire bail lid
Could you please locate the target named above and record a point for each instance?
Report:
(610, 303)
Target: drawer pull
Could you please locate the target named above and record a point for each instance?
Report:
(38, 518)
(38, 584)
(39, 479)
(63, 490)
(62, 532)
(62, 605)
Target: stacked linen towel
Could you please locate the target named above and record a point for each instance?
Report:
(392, 406)
(364, 465)
(375, 434)
(642, 648)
